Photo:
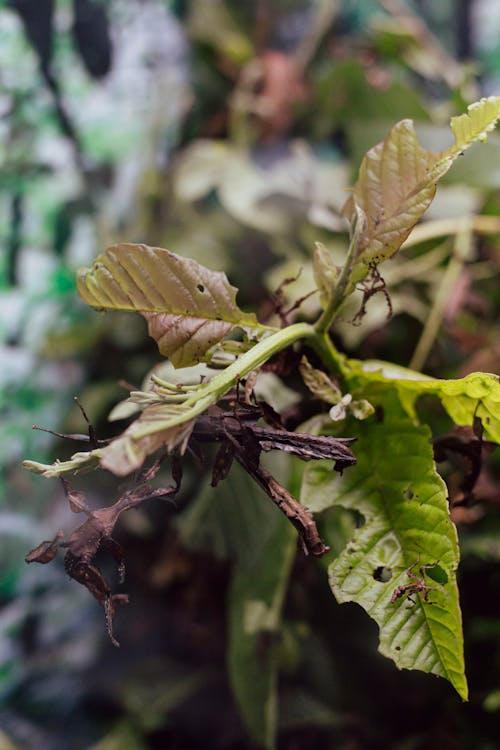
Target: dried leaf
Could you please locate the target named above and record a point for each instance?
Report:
(46, 551)
(95, 533)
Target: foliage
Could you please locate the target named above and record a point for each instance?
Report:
(401, 564)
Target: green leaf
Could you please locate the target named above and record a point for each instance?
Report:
(79, 463)
(475, 124)
(397, 179)
(189, 308)
(237, 521)
(403, 501)
(476, 395)
(255, 602)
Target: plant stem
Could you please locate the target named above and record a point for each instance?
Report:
(339, 291)
(329, 355)
(208, 394)
(255, 357)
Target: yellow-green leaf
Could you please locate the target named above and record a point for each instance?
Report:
(476, 395)
(396, 488)
(475, 124)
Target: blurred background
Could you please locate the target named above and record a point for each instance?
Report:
(228, 132)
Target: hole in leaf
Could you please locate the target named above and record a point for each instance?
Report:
(438, 574)
(354, 517)
(408, 494)
(382, 574)
(200, 288)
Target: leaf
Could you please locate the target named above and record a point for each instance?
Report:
(474, 125)
(403, 500)
(325, 272)
(256, 596)
(189, 308)
(199, 169)
(397, 179)
(123, 736)
(238, 522)
(161, 425)
(319, 383)
(79, 463)
(476, 395)
(45, 551)
(393, 190)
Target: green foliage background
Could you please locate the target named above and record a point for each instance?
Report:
(172, 146)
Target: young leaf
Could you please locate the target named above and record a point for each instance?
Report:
(319, 383)
(161, 425)
(167, 423)
(325, 272)
(403, 500)
(79, 463)
(393, 191)
(474, 125)
(189, 308)
(397, 179)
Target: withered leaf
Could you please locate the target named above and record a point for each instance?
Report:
(46, 551)
(307, 447)
(76, 500)
(223, 462)
(85, 541)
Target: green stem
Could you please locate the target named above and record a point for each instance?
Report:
(220, 384)
(329, 355)
(255, 357)
(339, 291)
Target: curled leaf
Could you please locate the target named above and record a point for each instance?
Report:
(46, 551)
(319, 383)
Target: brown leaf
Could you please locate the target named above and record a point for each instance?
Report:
(46, 551)
(76, 500)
